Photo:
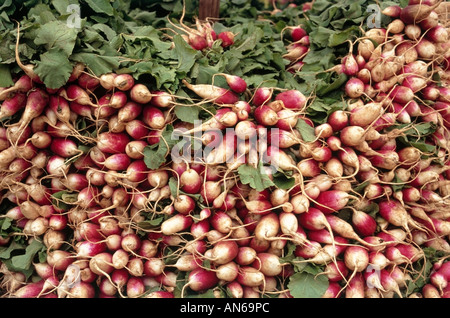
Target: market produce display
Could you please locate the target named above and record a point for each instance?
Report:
(286, 149)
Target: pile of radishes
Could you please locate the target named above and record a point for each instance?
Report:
(363, 206)
(297, 49)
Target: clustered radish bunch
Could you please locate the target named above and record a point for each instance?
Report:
(297, 49)
(398, 79)
(203, 35)
(363, 206)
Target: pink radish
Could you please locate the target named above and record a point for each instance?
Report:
(262, 96)
(250, 276)
(176, 223)
(11, 105)
(227, 38)
(292, 99)
(201, 279)
(236, 83)
(415, 13)
(213, 93)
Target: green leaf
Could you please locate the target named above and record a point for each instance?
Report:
(254, 177)
(99, 64)
(307, 285)
(5, 76)
(54, 68)
(56, 34)
(185, 53)
(282, 181)
(101, 6)
(24, 263)
(155, 155)
(150, 224)
(7, 251)
(305, 130)
(188, 114)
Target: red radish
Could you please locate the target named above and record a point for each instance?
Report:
(430, 291)
(392, 11)
(250, 276)
(415, 13)
(22, 86)
(336, 271)
(356, 286)
(140, 93)
(267, 227)
(154, 267)
(130, 111)
(426, 49)
(75, 93)
(221, 221)
(36, 102)
(162, 99)
(363, 223)
(107, 80)
(329, 252)
(389, 283)
(350, 64)
(236, 83)
(224, 252)
(227, 38)
(59, 260)
(123, 82)
(184, 204)
(333, 290)
(176, 223)
(394, 212)
(112, 142)
(88, 81)
(11, 105)
(287, 119)
(297, 33)
(354, 87)
(190, 181)
(65, 148)
(89, 248)
(201, 279)
(262, 96)
(227, 272)
(213, 93)
(292, 99)
(135, 287)
(265, 115)
(332, 201)
(356, 259)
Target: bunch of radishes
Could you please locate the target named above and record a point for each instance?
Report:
(203, 35)
(297, 49)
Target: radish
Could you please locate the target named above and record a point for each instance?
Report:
(12, 105)
(328, 253)
(415, 13)
(176, 223)
(236, 83)
(262, 95)
(224, 252)
(354, 87)
(356, 286)
(292, 99)
(213, 93)
(332, 201)
(200, 279)
(250, 276)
